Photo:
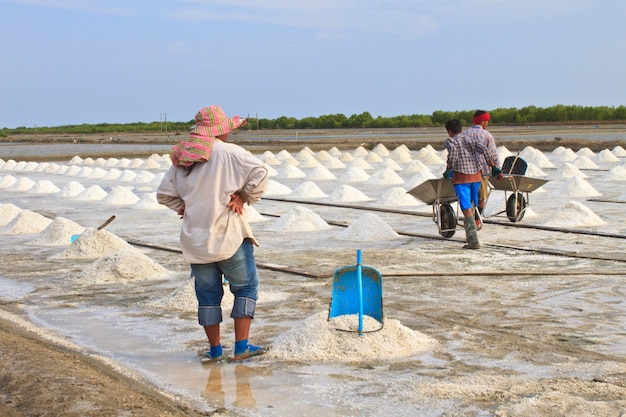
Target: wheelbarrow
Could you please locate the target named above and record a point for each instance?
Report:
(439, 193)
(516, 187)
(357, 289)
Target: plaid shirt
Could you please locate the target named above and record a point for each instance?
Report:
(464, 154)
(489, 153)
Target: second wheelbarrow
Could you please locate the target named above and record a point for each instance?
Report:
(439, 193)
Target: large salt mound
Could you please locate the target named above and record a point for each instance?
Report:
(317, 339)
(373, 157)
(360, 151)
(334, 163)
(120, 196)
(585, 152)
(9, 165)
(26, 222)
(530, 154)
(574, 214)
(291, 171)
(584, 162)
(360, 163)
(308, 189)
(98, 173)
(576, 187)
(534, 171)
(415, 166)
(59, 233)
(606, 156)
(390, 163)
(7, 181)
(144, 177)
(320, 173)
(346, 193)
(564, 154)
(121, 267)
(617, 173)
(299, 219)
(397, 196)
(149, 202)
(419, 178)
(381, 150)
(354, 174)
(8, 212)
(276, 188)
(385, 176)
(94, 243)
(23, 184)
(44, 187)
(368, 227)
(619, 151)
(71, 189)
(93, 193)
(324, 156)
(568, 170)
(112, 174)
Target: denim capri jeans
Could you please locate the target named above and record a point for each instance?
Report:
(243, 278)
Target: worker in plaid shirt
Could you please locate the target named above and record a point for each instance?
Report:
(466, 157)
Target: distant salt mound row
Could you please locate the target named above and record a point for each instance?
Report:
(8, 212)
(564, 154)
(401, 155)
(9, 165)
(429, 157)
(7, 181)
(577, 187)
(373, 157)
(619, 151)
(144, 177)
(584, 162)
(320, 173)
(585, 152)
(317, 339)
(44, 187)
(386, 176)
(299, 219)
(354, 174)
(71, 189)
(530, 154)
(26, 222)
(368, 227)
(92, 193)
(121, 267)
(574, 214)
(94, 243)
(396, 197)
(120, 196)
(360, 152)
(381, 150)
(58, 233)
(112, 174)
(346, 193)
(23, 184)
(308, 189)
(275, 188)
(617, 173)
(606, 156)
(149, 202)
(568, 170)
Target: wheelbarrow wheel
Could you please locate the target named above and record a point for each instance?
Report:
(448, 220)
(516, 207)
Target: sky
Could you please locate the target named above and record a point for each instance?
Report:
(65, 62)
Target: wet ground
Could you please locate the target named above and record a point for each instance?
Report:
(532, 324)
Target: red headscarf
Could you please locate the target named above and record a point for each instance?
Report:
(482, 118)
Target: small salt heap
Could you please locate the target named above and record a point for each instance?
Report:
(574, 214)
(26, 222)
(71, 189)
(419, 178)
(354, 174)
(606, 156)
(58, 233)
(346, 193)
(577, 187)
(291, 171)
(385, 176)
(8, 211)
(121, 267)
(368, 227)
(44, 187)
(23, 184)
(149, 202)
(275, 188)
(299, 219)
(7, 181)
(92, 193)
(397, 196)
(568, 170)
(120, 196)
(584, 162)
(308, 189)
(321, 173)
(94, 243)
(617, 173)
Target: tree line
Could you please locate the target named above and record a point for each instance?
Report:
(530, 115)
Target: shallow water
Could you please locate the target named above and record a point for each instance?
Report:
(510, 325)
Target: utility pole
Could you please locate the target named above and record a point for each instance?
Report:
(161, 121)
(165, 123)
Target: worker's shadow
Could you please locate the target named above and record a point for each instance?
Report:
(220, 378)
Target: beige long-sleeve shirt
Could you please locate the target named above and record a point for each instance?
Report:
(211, 231)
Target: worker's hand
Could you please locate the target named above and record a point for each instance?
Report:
(236, 203)
(447, 173)
(496, 173)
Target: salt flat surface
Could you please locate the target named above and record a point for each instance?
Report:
(497, 331)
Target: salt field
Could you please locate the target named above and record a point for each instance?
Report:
(532, 323)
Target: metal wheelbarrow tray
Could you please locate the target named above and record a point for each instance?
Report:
(439, 193)
(518, 186)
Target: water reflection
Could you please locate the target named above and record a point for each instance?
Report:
(221, 384)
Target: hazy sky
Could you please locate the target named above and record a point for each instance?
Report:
(120, 61)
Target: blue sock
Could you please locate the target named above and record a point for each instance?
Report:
(241, 346)
(216, 351)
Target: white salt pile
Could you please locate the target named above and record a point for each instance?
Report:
(619, 151)
(360, 152)
(617, 173)
(26, 222)
(576, 187)
(58, 233)
(291, 171)
(121, 267)
(585, 152)
(84, 172)
(584, 162)
(316, 339)
(308, 189)
(183, 298)
(419, 178)
(275, 188)
(8, 211)
(323, 156)
(149, 202)
(97, 173)
(385, 176)
(44, 187)
(94, 243)
(73, 170)
(345, 157)
(9, 165)
(7, 181)
(397, 196)
(346, 193)
(71, 189)
(320, 173)
(530, 154)
(606, 156)
(120, 196)
(360, 163)
(354, 174)
(401, 155)
(76, 160)
(144, 177)
(373, 157)
(92, 193)
(23, 184)
(381, 150)
(112, 174)
(534, 171)
(574, 214)
(568, 170)
(368, 227)
(299, 219)
(415, 166)
(391, 164)
(564, 154)
(253, 214)
(334, 163)
(127, 175)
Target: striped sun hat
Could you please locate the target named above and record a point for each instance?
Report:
(210, 122)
